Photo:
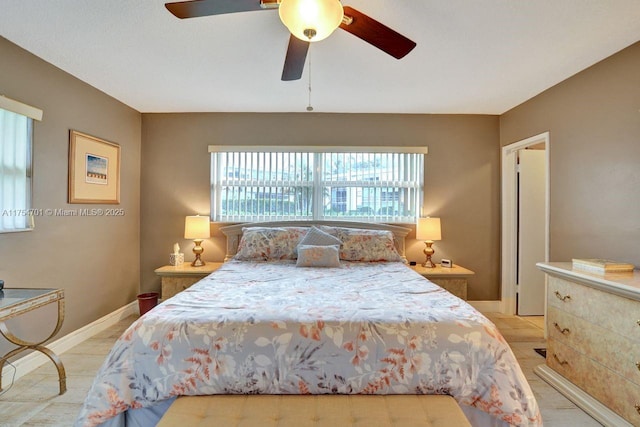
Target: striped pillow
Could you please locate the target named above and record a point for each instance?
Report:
(317, 237)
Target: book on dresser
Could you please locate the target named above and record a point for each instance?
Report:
(597, 265)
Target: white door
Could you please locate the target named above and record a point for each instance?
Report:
(531, 232)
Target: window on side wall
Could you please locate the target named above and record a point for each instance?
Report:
(16, 140)
(377, 184)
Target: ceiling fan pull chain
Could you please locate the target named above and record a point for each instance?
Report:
(309, 107)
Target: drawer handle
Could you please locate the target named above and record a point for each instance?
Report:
(563, 331)
(638, 365)
(562, 298)
(638, 408)
(561, 362)
(638, 322)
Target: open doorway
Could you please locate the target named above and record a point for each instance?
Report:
(525, 224)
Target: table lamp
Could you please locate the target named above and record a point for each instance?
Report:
(197, 228)
(428, 230)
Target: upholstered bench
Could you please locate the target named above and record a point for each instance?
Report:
(316, 411)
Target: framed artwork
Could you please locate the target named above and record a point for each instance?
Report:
(94, 170)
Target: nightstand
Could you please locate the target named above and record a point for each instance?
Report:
(453, 279)
(179, 277)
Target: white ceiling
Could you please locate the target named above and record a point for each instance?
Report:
(472, 56)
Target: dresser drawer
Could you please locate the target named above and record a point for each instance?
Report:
(174, 285)
(614, 351)
(595, 306)
(177, 278)
(611, 389)
(457, 287)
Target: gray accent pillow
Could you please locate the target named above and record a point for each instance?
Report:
(318, 256)
(317, 237)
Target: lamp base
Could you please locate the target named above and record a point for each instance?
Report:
(428, 252)
(197, 250)
(197, 262)
(428, 263)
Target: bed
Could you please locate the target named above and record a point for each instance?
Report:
(282, 317)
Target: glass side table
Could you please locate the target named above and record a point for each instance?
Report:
(17, 301)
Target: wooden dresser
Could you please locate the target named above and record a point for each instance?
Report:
(176, 278)
(593, 341)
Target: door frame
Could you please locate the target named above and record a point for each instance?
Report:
(509, 242)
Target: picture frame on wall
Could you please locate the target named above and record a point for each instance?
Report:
(94, 169)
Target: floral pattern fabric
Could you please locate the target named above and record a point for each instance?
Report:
(269, 243)
(365, 245)
(269, 327)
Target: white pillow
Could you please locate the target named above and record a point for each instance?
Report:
(318, 256)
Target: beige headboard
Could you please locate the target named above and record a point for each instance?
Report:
(234, 232)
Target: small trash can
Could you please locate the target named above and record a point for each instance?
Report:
(147, 301)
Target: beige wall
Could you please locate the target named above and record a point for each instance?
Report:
(462, 177)
(594, 124)
(593, 117)
(94, 259)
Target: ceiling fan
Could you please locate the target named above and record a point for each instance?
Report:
(308, 21)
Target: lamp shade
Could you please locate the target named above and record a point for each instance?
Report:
(311, 20)
(197, 227)
(428, 229)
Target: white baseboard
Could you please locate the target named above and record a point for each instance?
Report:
(35, 359)
(487, 306)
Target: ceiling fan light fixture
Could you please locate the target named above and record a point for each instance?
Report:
(311, 20)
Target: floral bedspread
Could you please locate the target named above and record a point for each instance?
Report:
(259, 327)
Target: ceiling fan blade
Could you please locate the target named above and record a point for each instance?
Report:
(296, 57)
(377, 34)
(196, 8)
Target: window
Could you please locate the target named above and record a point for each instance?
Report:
(383, 184)
(15, 171)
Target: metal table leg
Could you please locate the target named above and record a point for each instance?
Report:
(37, 346)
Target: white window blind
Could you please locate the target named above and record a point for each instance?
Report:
(15, 171)
(382, 184)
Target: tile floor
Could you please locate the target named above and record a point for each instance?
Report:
(33, 399)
